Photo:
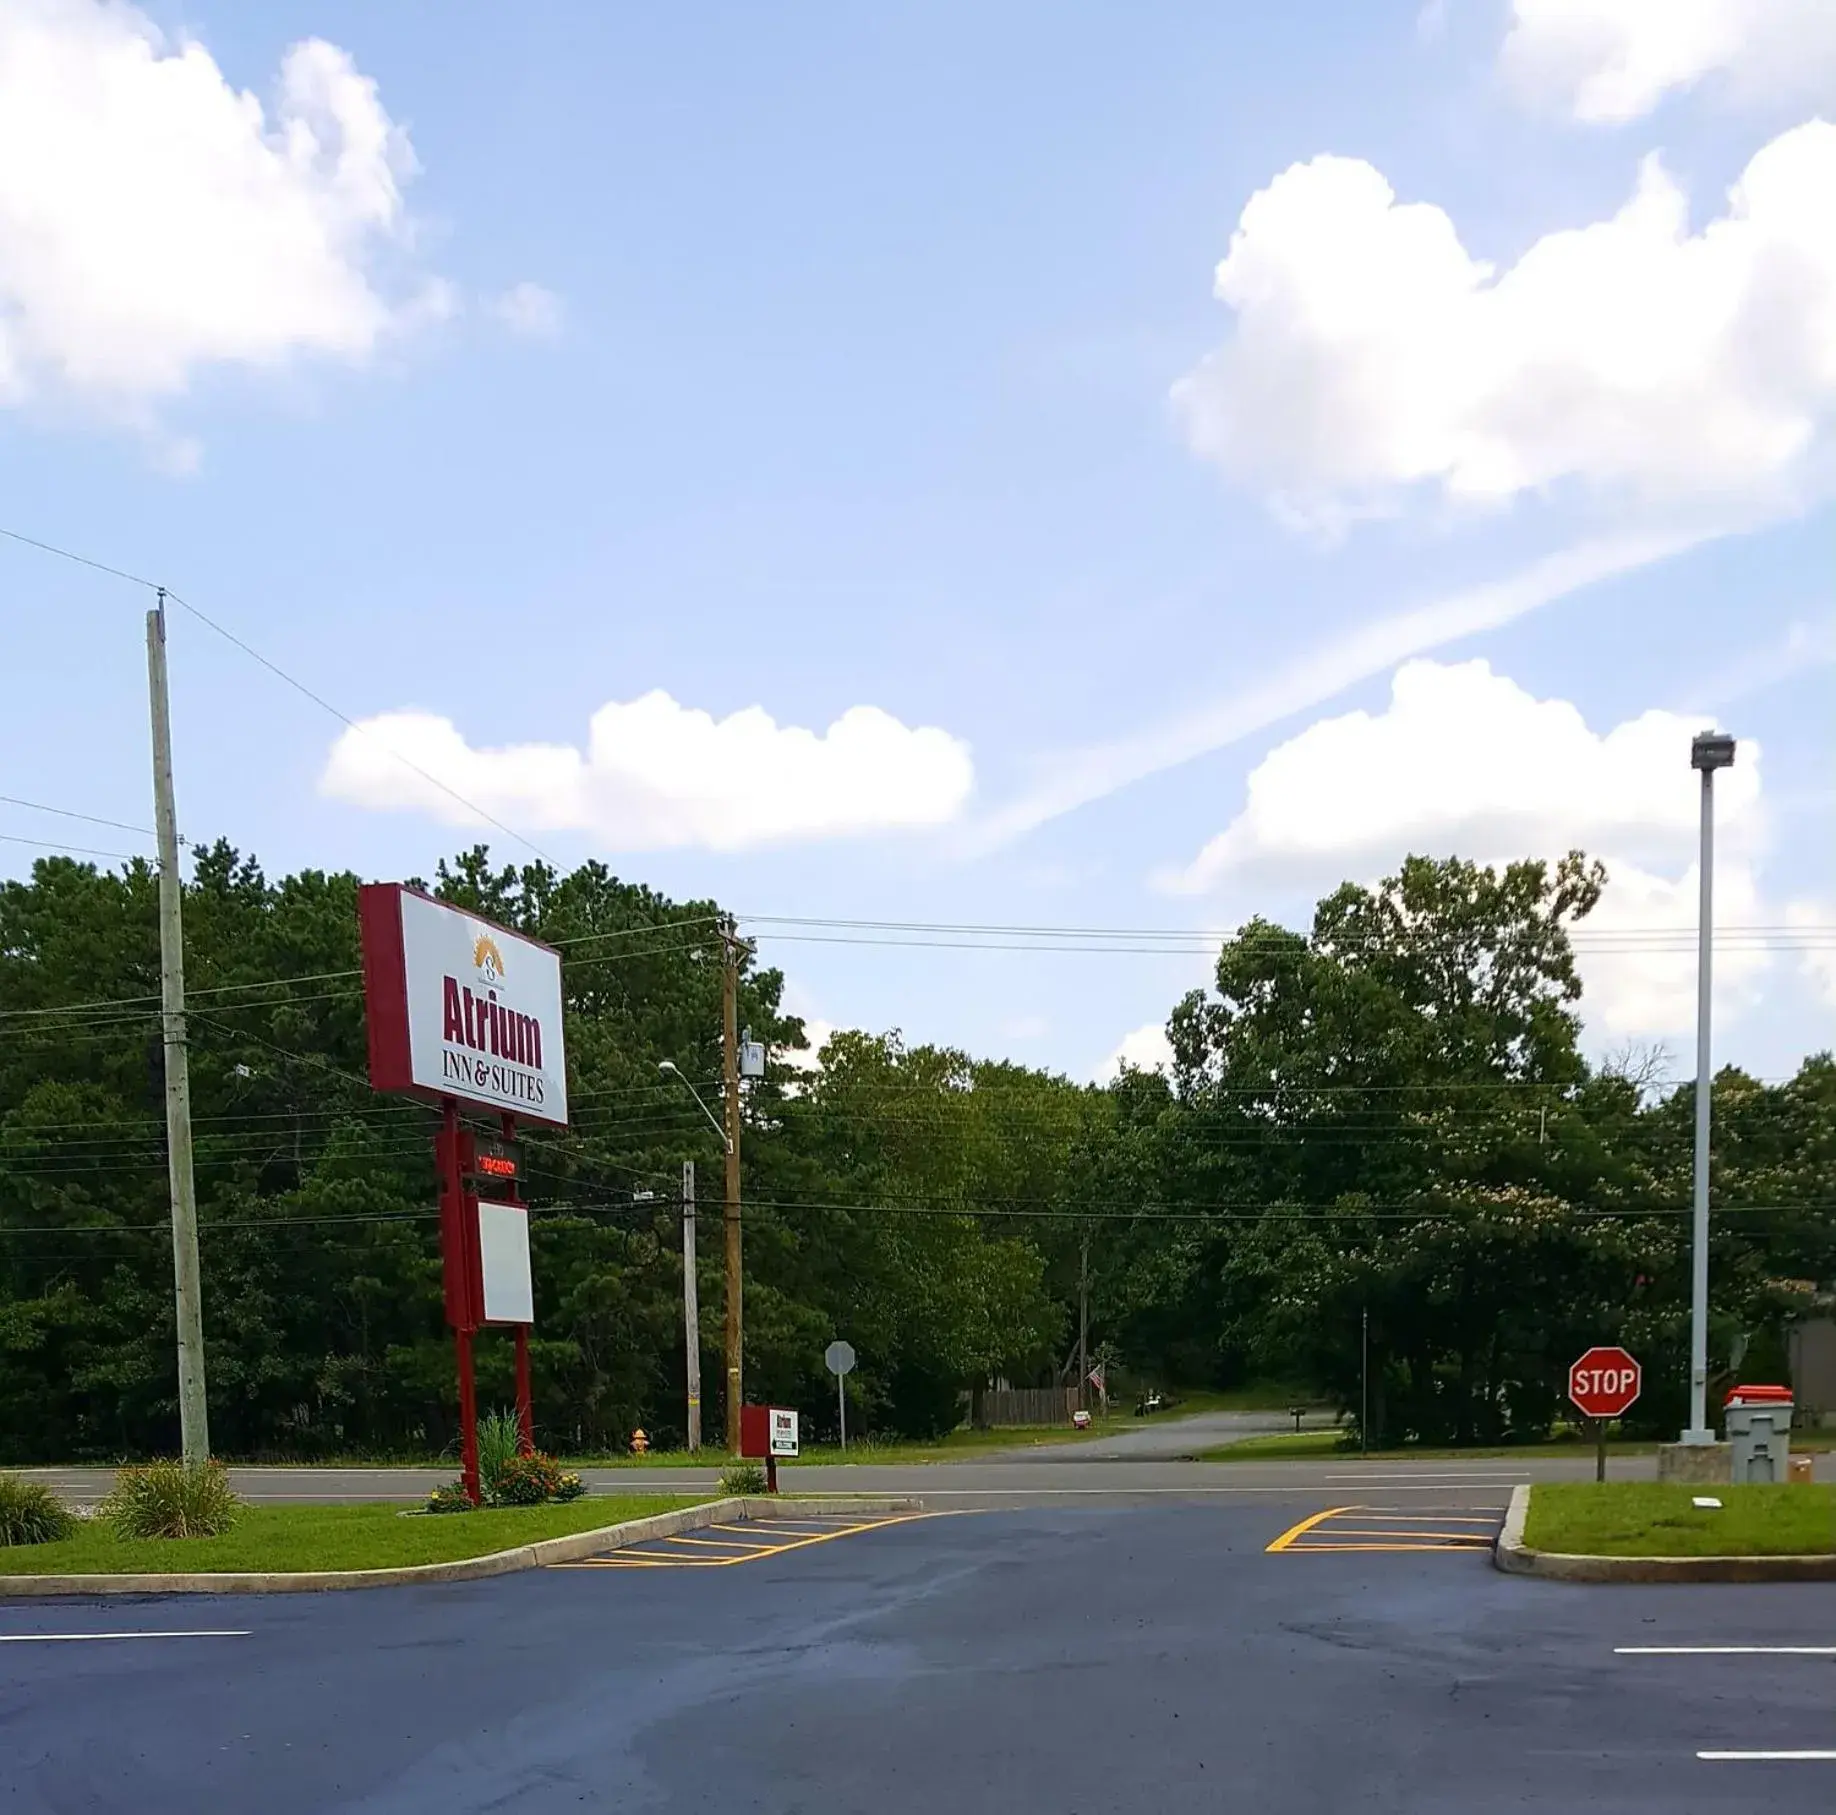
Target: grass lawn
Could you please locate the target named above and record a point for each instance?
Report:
(331, 1537)
(1655, 1519)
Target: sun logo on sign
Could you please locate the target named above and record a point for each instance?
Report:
(487, 960)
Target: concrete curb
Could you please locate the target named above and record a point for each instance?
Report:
(566, 1549)
(1515, 1557)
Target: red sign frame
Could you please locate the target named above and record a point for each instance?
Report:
(386, 1006)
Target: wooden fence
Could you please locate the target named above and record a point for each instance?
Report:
(1026, 1405)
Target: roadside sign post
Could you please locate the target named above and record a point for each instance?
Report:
(1604, 1383)
(839, 1358)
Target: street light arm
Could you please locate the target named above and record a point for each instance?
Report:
(726, 1144)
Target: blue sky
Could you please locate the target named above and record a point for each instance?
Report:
(821, 359)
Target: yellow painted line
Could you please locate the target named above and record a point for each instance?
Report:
(1447, 1536)
(751, 1550)
(796, 1528)
(1384, 1518)
(1305, 1526)
(645, 1562)
(654, 1562)
(768, 1534)
(1299, 1549)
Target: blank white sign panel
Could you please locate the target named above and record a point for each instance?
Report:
(503, 1250)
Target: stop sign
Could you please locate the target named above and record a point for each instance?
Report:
(1604, 1382)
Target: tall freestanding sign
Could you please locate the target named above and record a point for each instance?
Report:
(466, 1014)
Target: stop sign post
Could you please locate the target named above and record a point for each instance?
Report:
(1604, 1384)
(839, 1358)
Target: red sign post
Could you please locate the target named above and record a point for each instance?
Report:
(1604, 1384)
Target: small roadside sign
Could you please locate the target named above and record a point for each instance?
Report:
(783, 1432)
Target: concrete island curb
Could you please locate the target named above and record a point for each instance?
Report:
(566, 1549)
(1511, 1554)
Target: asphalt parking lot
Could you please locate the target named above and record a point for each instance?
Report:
(1072, 1658)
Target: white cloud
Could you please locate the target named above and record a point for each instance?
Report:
(154, 220)
(1374, 355)
(1146, 1049)
(656, 775)
(1614, 60)
(1464, 761)
(529, 310)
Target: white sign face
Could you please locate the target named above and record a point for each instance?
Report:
(840, 1357)
(783, 1432)
(482, 1013)
(503, 1253)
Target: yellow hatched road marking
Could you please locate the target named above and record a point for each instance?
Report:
(1306, 1525)
(649, 1562)
(1450, 1537)
(1297, 1549)
(745, 1553)
(796, 1528)
(771, 1533)
(1383, 1532)
(717, 1543)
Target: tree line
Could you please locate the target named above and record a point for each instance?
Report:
(1379, 1140)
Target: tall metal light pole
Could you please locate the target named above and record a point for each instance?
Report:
(1708, 751)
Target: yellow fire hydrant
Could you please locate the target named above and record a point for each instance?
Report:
(640, 1444)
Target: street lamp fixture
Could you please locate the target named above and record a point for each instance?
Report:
(1711, 750)
(670, 1066)
(1708, 751)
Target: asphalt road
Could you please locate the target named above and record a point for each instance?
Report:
(1168, 1439)
(1032, 1476)
(1073, 1658)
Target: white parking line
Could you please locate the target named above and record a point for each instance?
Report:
(68, 1638)
(1826, 1758)
(1485, 1478)
(1724, 1650)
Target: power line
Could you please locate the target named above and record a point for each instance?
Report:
(1216, 934)
(38, 806)
(119, 573)
(665, 1204)
(51, 548)
(77, 850)
(344, 718)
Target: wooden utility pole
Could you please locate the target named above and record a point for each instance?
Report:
(194, 1421)
(730, 1080)
(691, 1307)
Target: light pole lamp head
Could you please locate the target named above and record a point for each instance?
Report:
(1711, 750)
(666, 1065)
